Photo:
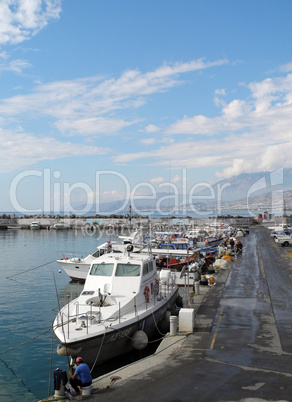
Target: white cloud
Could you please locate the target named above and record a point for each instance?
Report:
(19, 21)
(248, 136)
(195, 125)
(22, 19)
(21, 150)
(176, 179)
(220, 91)
(218, 94)
(95, 125)
(84, 107)
(112, 195)
(157, 180)
(148, 141)
(151, 128)
(286, 68)
(80, 104)
(16, 66)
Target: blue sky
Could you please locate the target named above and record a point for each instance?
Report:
(103, 99)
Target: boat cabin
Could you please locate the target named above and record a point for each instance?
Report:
(118, 277)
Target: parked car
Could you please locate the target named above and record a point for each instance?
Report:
(280, 233)
(284, 240)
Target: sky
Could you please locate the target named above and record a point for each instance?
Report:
(108, 100)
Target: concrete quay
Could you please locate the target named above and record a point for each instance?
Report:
(171, 346)
(241, 347)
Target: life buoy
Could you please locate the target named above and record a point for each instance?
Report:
(152, 288)
(147, 294)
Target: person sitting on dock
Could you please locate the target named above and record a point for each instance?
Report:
(83, 373)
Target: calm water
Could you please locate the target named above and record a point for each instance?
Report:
(30, 282)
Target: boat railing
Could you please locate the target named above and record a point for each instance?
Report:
(68, 255)
(72, 313)
(83, 318)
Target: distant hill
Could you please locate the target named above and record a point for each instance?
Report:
(254, 184)
(256, 187)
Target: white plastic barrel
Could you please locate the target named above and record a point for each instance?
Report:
(173, 324)
(197, 288)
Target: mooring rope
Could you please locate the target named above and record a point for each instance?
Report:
(31, 269)
(23, 343)
(99, 350)
(51, 364)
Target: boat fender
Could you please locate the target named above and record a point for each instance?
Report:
(63, 351)
(147, 294)
(179, 301)
(139, 340)
(152, 288)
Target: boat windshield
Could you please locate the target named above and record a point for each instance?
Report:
(128, 270)
(96, 254)
(102, 269)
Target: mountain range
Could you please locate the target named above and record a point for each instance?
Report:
(261, 188)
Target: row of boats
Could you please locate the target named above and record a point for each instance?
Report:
(35, 225)
(171, 251)
(131, 286)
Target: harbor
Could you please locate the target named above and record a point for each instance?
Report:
(240, 346)
(120, 224)
(146, 201)
(240, 333)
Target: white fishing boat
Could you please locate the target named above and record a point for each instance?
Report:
(135, 237)
(123, 301)
(184, 264)
(77, 266)
(35, 225)
(61, 226)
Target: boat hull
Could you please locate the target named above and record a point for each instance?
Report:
(77, 271)
(116, 341)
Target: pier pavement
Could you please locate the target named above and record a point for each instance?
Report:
(241, 347)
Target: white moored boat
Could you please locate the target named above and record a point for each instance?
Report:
(122, 296)
(60, 226)
(35, 225)
(77, 267)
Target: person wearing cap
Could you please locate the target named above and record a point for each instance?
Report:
(81, 377)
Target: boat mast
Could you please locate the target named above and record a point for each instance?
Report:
(130, 215)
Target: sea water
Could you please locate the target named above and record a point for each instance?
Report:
(30, 288)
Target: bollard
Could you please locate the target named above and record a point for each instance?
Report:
(173, 324)
(197, 288)
(60, 380)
